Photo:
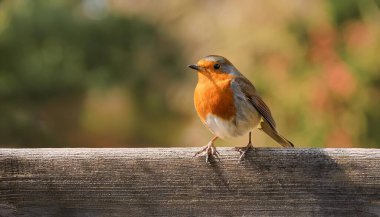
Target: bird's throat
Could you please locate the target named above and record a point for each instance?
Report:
(213, 95)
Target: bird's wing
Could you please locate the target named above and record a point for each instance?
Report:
(249, 91)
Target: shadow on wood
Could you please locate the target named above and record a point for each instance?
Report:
(169, 182)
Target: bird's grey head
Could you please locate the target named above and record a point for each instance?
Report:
(215, 64)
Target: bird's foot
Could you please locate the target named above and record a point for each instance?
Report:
(209, 151)
(243, 150)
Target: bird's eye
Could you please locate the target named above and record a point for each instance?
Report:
(216, 66)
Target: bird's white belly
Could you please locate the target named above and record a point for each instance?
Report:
(232, 128)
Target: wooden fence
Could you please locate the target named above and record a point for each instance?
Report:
(169, 182)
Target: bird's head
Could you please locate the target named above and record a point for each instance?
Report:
(214, 64)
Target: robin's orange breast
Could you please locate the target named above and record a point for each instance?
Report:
(213, 95)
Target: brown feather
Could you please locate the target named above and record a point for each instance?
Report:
(264, 126)
(250, 93)
(268, 125)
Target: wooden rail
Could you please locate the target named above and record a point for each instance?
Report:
(169, 182)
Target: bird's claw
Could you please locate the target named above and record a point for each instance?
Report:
(243, 151)
(210, 151)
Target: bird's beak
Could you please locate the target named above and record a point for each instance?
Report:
(195, 67)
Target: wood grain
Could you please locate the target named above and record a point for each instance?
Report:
(169, 182)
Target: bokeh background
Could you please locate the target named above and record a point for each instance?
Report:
(98, 73)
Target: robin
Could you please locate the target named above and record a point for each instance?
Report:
(229, 105)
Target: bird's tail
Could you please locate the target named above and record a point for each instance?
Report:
(275, 135)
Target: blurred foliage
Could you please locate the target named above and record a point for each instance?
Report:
(112, 73)
(51, 55)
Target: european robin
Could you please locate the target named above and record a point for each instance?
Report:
(229, 105)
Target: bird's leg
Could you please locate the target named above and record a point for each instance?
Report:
(209, 150)
(245, 149)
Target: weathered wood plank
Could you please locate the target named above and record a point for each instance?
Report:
(169, 182)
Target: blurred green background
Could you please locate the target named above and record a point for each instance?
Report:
(98, 73)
